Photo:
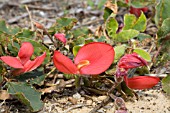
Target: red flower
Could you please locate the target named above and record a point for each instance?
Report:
(22, 63)
(141, 82)
(131, 61)
(137, 11)
(93, 58)
(61, 37)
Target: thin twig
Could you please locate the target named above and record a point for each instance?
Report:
(30, 17)
(103, 103)
(32, 6)
(73, 107)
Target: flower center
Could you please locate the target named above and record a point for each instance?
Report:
(83, 63)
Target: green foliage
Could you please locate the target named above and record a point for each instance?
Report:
(143, 36)
(33, 77)
(164, 41)
(162, 11)
(145, 55)
(80, 32)
(141, 3)
(132, 27)
(125, 35)
(107, 13)
(62, 24)
(164, 30)
(119, 52)
(130, 22)
(166, 84)
(75, 50)
(111, 26)
(1, 78)
(26, 94)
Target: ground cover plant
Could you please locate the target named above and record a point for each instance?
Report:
(113, 60)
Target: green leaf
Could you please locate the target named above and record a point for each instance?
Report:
(145, 55)
(140, 24)
(8, 30)
(164, 29)
(143, 36)
(125, 35)
(119, 51)
(62, 24)
(141, 3)
(80, 32)
(1, 78)
(80, 40)
(166, 84)
(162, 11)
(107, 13)
(3, 26)
(33, 77)
(75, 50)
(26, 94)
(130, 22)
(111, 26)
(26, 33)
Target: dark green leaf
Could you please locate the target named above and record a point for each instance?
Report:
(107, 13)
(33, 77)
(143, 36)
(162, 11)
(166, 84)
(164, 29)
(26, 94)
(141, 3)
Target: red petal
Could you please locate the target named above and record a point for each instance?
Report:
(12, 61)
(31, 65)
(64, 64)
(137, 11)
(133, 60)
(100, 56)
(141, 82)
(25, 52)
(61, 37)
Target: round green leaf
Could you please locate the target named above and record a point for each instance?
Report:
(143, 54)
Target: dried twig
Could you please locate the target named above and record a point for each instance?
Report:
(30, 16)
(103, 103)
(73, 107)
(33, 7)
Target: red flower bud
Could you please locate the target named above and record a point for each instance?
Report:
(130, 61)
(61, 37)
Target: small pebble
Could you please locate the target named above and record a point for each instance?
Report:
(101, 98)
(89, 102)
(77, 96)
